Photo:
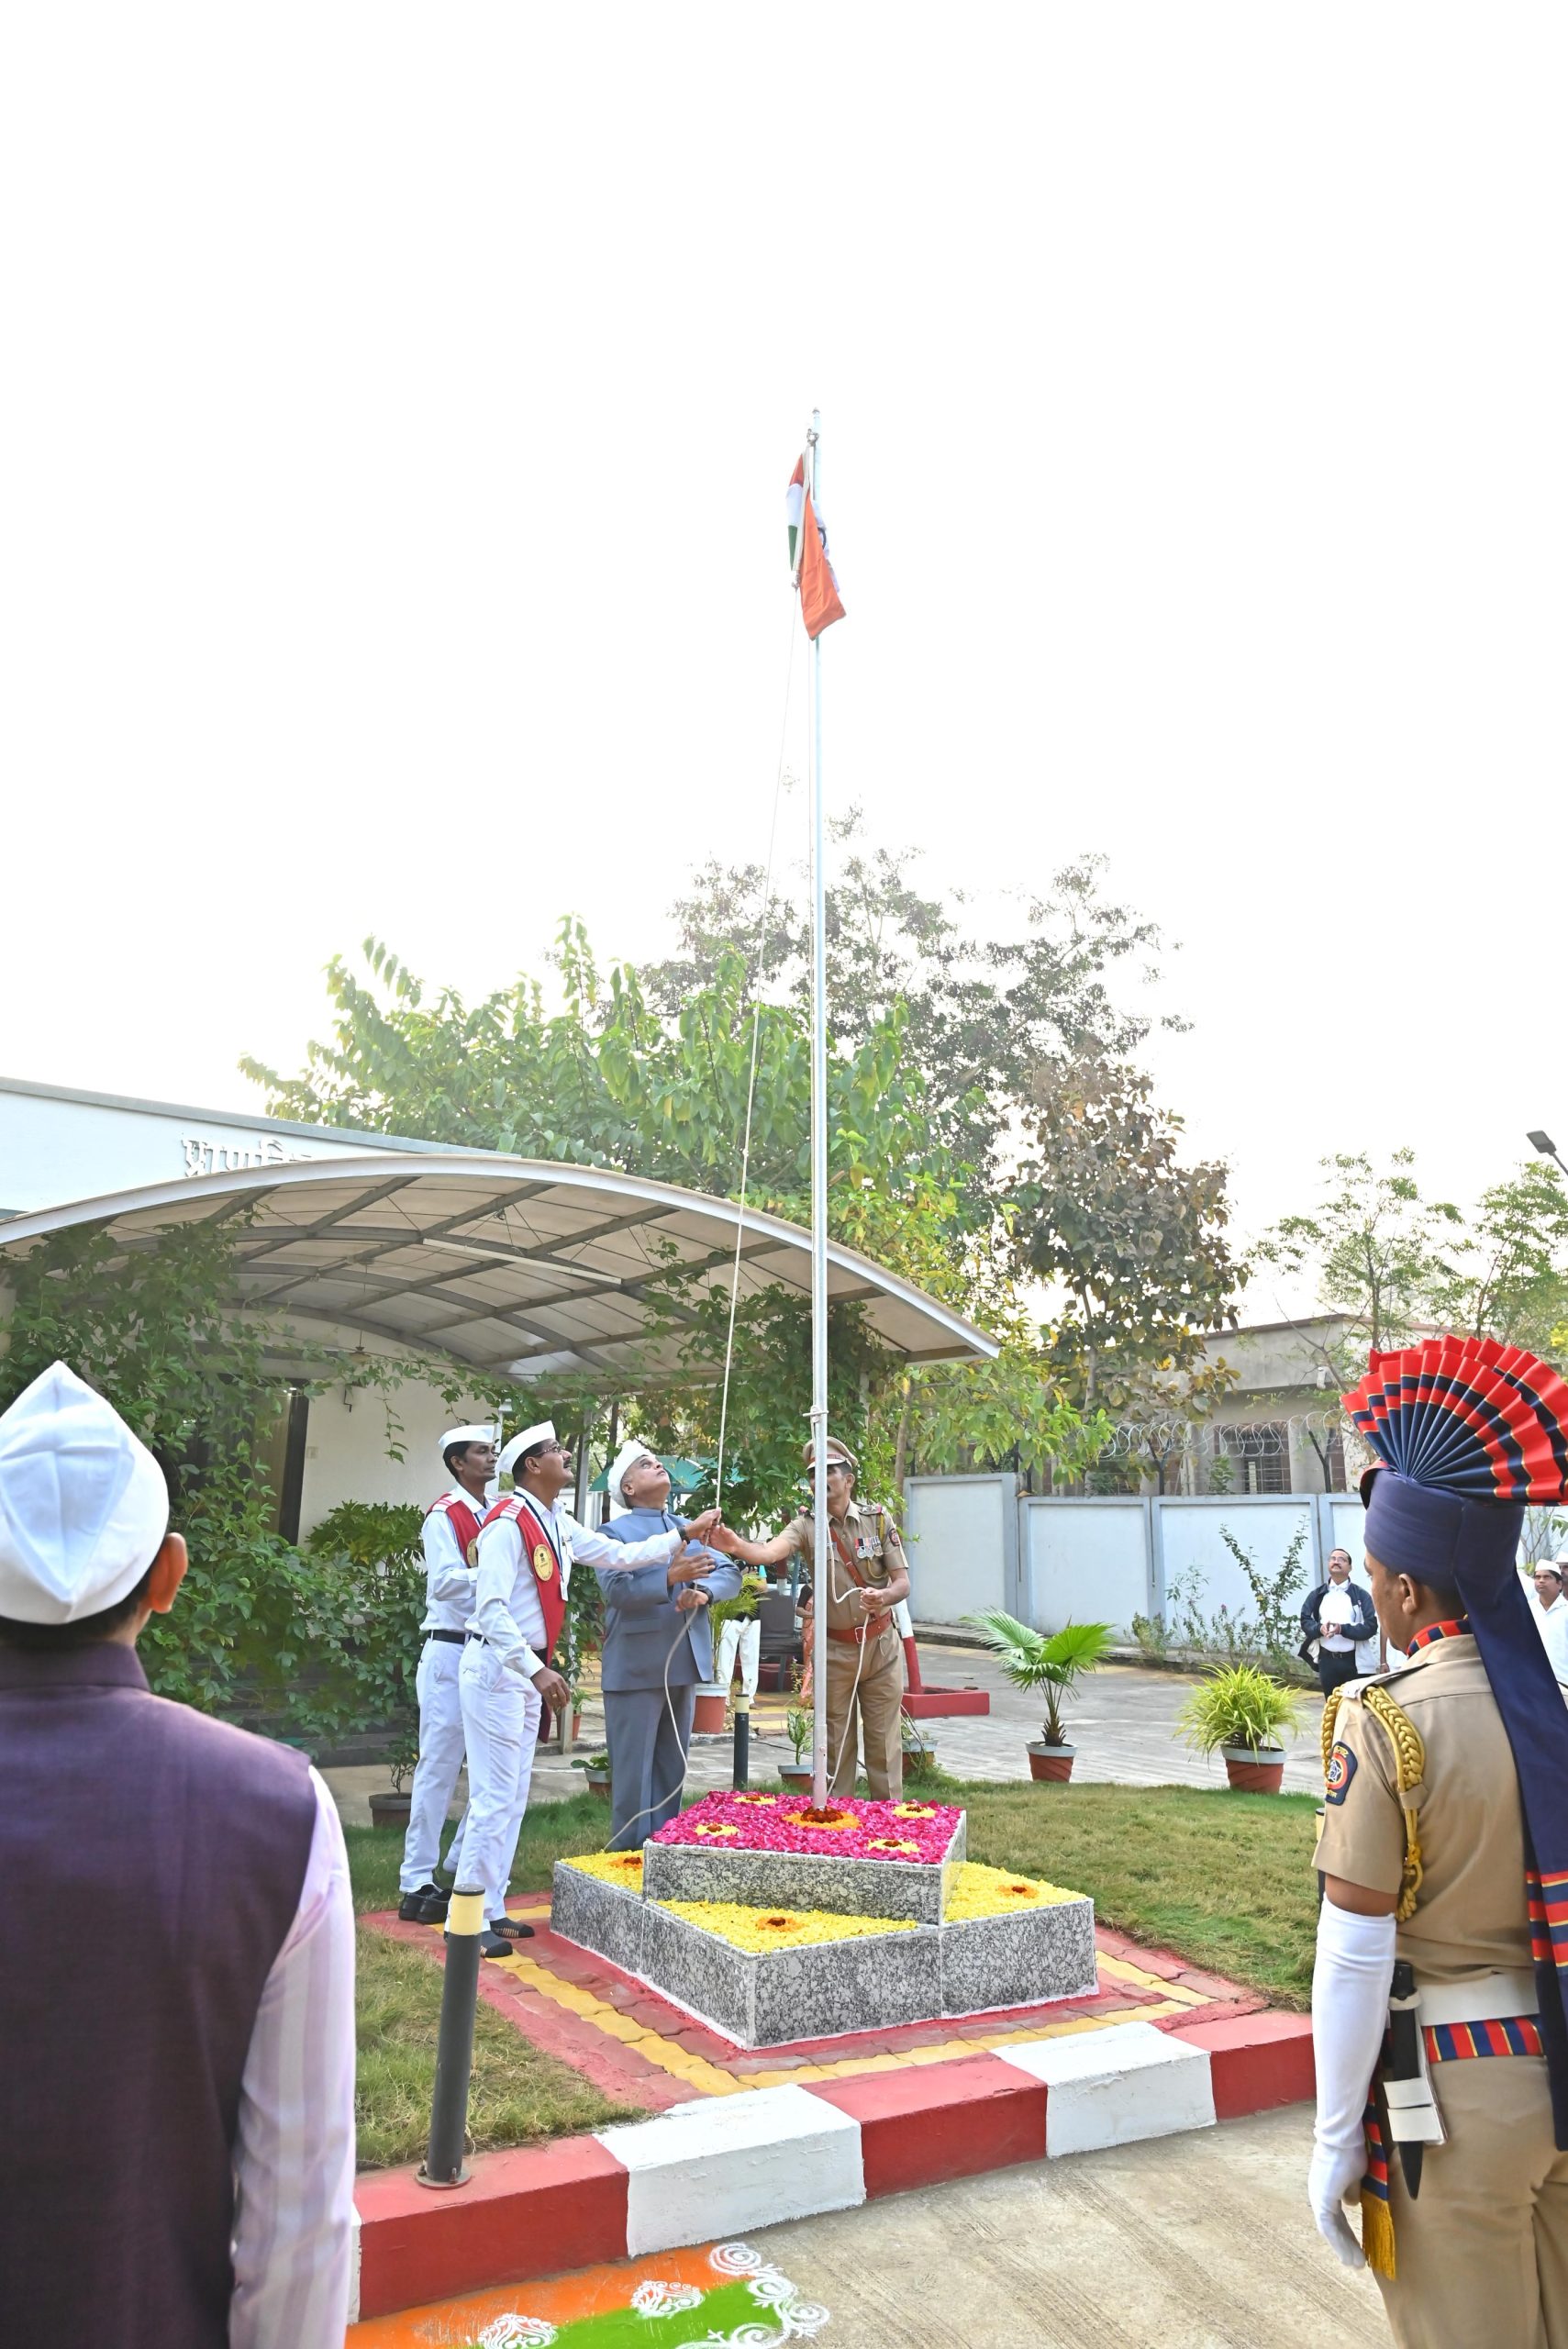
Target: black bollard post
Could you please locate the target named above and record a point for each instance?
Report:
(742, 1744)
(443, 2164)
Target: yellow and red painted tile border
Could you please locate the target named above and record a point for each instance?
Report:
(1161, 2046)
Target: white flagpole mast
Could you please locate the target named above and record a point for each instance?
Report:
(821, 1578)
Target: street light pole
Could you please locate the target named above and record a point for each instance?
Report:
(1546, 1147)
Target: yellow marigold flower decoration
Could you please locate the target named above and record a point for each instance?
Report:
(717, 1830)
(890, 1843)
(978, 1891)
(758, 1932)
(838, 1826)
(611, 1868)
(913, 1810)
(758, 1802)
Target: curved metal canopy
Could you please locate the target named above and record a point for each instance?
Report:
(521, 1267)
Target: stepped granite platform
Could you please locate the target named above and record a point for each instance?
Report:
(902, 1957)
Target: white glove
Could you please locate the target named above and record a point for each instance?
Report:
(1349, 2014)
(1331, 2178)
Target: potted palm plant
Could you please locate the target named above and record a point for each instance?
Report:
(1051, 1664)
(798, 1730)
(1242, 1714)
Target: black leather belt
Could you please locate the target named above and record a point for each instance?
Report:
(452, 1638)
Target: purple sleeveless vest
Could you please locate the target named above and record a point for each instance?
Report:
(150, 1865)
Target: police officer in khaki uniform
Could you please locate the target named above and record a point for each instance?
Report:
(867, 1575)
(1442, 1841)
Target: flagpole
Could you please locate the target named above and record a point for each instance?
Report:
(821, 1579)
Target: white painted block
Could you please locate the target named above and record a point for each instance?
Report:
(1113, 2086)
(726, 2162)
(354, 2269)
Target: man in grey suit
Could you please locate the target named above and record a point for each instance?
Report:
(656, 1641)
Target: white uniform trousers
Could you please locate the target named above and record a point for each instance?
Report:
(500, 1720)
(744, 1634)
(441, 1760)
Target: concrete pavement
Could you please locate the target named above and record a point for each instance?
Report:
(1121, 1718)
(1197, 2242)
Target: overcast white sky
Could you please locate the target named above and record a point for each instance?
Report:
(395, 421)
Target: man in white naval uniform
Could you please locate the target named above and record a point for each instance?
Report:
(527, 1547)
(451, 1532)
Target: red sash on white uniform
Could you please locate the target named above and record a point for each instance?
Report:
(540, 1553)
(462, 1518)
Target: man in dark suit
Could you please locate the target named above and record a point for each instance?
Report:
(1338, 1614)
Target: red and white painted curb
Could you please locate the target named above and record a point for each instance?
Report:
(727, 2164)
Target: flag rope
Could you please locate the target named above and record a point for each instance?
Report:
(649, 1808)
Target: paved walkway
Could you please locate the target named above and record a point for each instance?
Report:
(1197, 2241)
(1121, 1718)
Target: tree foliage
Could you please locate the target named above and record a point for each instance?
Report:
(1136, 1240)
(319, 1643)
(940, 1045)
(1393, 1263)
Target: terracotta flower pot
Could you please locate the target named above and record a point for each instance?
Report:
(599, 1783)
(1254, 1770)
(1051, 1763)
(390, 1810)
(796, 1777)
(707, 1714)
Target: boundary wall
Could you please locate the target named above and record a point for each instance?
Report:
(977, 1541)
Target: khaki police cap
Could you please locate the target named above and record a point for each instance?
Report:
(835, 1451)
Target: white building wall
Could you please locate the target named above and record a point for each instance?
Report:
(961, 1536)
(345, 1457)
(1192, 1547)
(1086, 1560)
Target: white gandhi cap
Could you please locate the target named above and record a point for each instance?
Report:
(465, 1435)
(83, 1505)
(626, 1457)
(524, 1440)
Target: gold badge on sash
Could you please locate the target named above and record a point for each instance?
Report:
(544, 1561)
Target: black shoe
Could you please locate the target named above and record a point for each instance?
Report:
(492, 1945)
(511, 1930)
(433, 1906)
(411, 1907)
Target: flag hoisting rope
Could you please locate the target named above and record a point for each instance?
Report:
(819, 608)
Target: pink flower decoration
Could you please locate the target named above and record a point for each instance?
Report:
(893, 1833)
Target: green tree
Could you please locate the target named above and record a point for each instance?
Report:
(1379, 1255)
(1510, 1278)
(980, 1014)
(1134, 1241)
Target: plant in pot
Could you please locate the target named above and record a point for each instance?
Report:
(919, 1753)
(713, 1696)
(595, 1768)
(1049, 1664)
(798, 1729)
(391, 1809)
(1242, 1714)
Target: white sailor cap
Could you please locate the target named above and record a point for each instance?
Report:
(466, 1435)
(626, 1457)
(83, 1505)
(524, 1440)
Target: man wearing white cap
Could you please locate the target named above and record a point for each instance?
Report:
(657, 1646)
(176, 1948)
(450, 1540)
(527, 1547)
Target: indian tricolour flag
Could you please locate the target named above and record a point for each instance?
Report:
(794, 502)
(819, 603)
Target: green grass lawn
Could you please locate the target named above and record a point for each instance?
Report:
(518, 2096)
(1225, 1880)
